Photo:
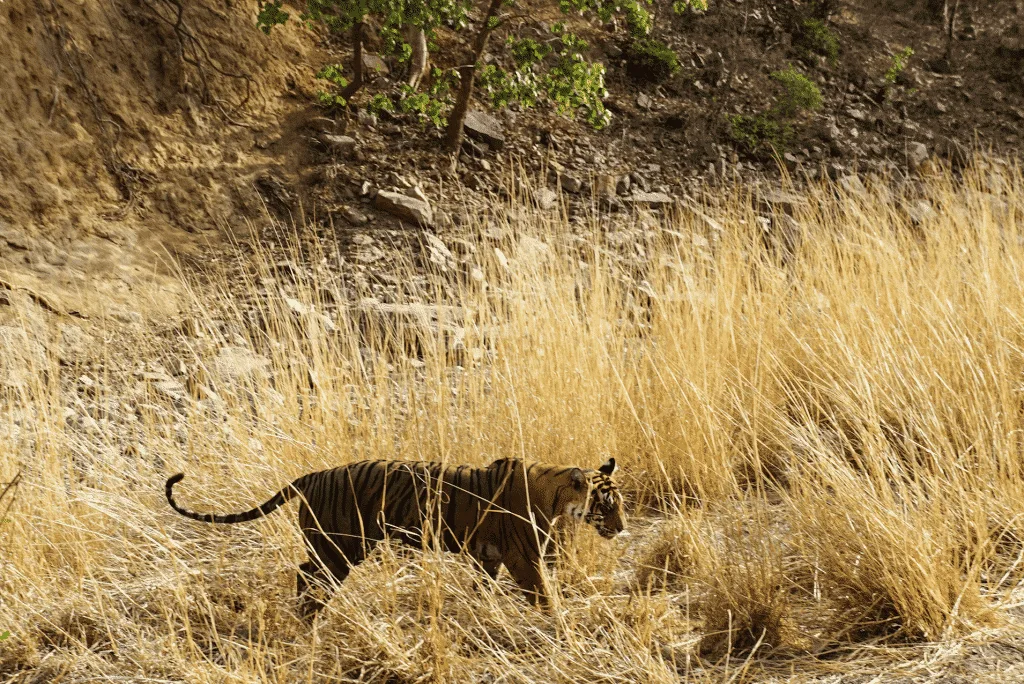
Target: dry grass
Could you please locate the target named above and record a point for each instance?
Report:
(822, 447)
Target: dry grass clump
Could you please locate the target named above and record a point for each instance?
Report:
(830, 423)
(666, 561)
(744, 600)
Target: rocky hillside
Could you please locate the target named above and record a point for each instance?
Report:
(142, 125)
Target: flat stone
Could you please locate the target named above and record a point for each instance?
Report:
(339, 144)
(650, 198)
(235, 363)
(780, 198)
(407, 208)
(374, 65)
(482, 126)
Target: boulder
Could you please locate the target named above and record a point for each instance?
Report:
(482, 126)
(374, 65)
(406, 208)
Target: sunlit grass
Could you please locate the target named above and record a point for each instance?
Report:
(819, 437)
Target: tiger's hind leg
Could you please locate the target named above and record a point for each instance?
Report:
(310, 583)
(314, 583)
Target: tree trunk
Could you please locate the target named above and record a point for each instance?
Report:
(467, 74)
(417, 39)
(357, 62)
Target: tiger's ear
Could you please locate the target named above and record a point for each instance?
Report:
(608, 468)
(578, 478)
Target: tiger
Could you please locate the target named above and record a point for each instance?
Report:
(500, 514)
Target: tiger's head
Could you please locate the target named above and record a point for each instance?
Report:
(605, 510)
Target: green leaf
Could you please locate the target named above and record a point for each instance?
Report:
(270, 15)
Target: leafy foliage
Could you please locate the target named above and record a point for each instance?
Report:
(569, 84)
(680, 6)
(270, 15)
(817, 38)
(798, 92)
(651, 60)
(774, 128)
(899, 63)
(555, 71)
(759, 130)
(638, 19)
(332, 73)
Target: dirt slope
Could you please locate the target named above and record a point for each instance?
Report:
(126, 130)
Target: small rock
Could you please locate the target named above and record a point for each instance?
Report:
(298, 308)
(404, 207)
(605, 186)
(475, 148)
(857, 114)
(439, 252)
(570, 183)
(502, 259)
(643, 101)
(127, 317)
(368, 119)
(356, 218)
(341, 145)
(235, 363)
(546, 199)
(416, 192)
(853, 184)
(622, 185)
(532, 250)
(482, 126)
(785, 200)
(653, 199)
(920, 211)
(917, 153)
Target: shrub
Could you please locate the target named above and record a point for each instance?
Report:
(756, 131)
(638, 20)
(651, 61)
(899, 63)
(817, 38)
(798, 92)
(682, 6)
(773, 129)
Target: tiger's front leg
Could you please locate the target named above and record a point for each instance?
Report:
(527, 574)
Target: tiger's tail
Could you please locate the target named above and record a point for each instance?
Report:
(266, 508)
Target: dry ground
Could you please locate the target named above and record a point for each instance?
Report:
(818, 422)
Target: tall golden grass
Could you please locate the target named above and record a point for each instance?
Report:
(818, 423)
